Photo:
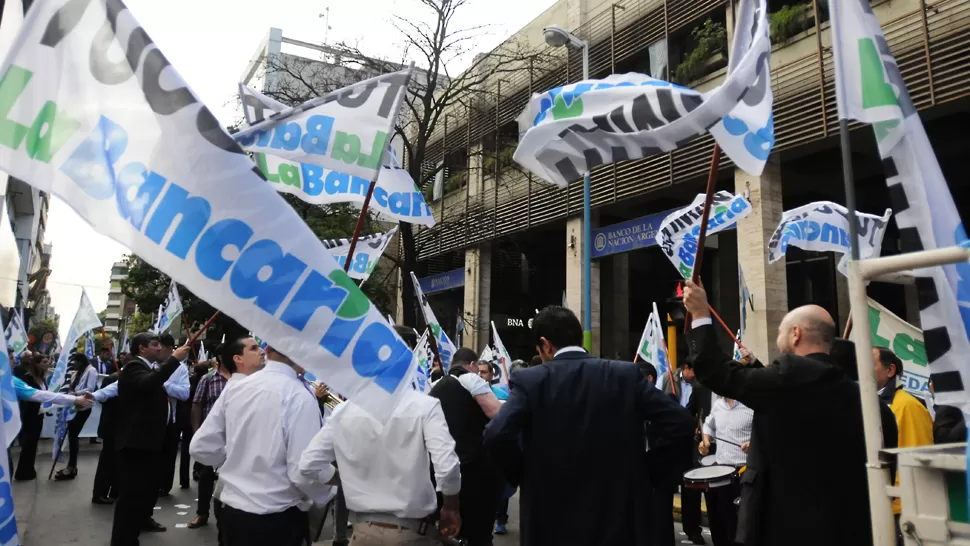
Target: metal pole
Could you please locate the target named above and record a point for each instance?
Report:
(883, 531)
(587, 241)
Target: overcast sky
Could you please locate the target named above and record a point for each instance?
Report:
(210, 42)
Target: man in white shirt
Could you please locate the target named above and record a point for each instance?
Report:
(384, 470)
(254, 435)
(729, 425)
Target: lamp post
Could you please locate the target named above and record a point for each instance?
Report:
(556, 36)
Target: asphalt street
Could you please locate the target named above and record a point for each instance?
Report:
(53, 513)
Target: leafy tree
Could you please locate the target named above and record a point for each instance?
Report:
(139, 322)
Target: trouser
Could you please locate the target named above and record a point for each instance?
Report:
(287, 528)
(481, 488)
(185, 460)
(138, 490)
(690, 511)
(170, 451)
(217, 512)
(74, 427)
(31, 426)
(661, 516)
(207, 482)
(340, 517)
(723, 514)
(368, 534)
(105, 478)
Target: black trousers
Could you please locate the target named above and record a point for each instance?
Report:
(138, 481)
(170, 451)
(106, 477)
(207, 482)
(30, 428)
(74, 427)
(288, 528)
(661, 516)
(481, 489)
(690, 510)
(723, 514)
(185, 466)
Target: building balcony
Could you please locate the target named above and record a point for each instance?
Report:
(118, 276)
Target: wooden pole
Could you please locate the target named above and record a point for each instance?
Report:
(204, 327)
(705, 216)
(360, 225)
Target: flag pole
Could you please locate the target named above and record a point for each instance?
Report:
(360, 219)
(705, 216)
(202, 329)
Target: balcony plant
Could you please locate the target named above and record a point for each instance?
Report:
(710, 47)
(789, 21)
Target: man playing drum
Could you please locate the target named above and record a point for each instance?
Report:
(729, 425)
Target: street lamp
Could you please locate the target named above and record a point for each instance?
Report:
(556, 36)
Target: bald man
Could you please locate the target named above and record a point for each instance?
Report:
(805, 482)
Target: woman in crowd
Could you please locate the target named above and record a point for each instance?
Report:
(32, 392)
(85, 380)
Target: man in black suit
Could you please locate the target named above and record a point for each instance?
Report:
(143, 415)
(805, 482)
(105, 489)
(571, 435)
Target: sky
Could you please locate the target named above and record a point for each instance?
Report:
(210, 43)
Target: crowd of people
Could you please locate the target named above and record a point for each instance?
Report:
(596, 448)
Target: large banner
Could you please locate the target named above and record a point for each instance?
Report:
(679, 231)
(446, 349)
(571, 129)
(823, 226)
(904, 339)
(395, 196)
(11, 422)
(346, 130)
(870, 88)
(170, 309)
(85, 319)
(125, 142)
(15, 334)
(367, 253)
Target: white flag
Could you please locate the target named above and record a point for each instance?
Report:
(823, 226)
(85, 319)
(488, 354)
(571, 129)
(170, 309)
(737, 349)
(421, 365)
(869, 88)
(652, 345)
(9, 431)
(203, 355)
(346, 130)
(15, 333)
(678, 233)
(367, 253)
(504, 360)
(446, 349)
(395, 196)
(134, 152)
(747, 300)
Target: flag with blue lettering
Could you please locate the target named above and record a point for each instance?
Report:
(127, 144)
(570, 130)
(367, 253)
(169, 310)
(679, 231)
(60, 431)
(9, 431)
(446, 349)
(870, 88)
(421, 365)
(85, 319)
(736, 356)
(653, 347)
(15, 333)
(747, 300)
(89, 348)
(503, 357)
(9, 404)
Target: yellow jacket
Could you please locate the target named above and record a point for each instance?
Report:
(914, 423)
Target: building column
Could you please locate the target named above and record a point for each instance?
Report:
(574, 279)
(619, 320)
(478, 296)
(767, 283)
(842, 301)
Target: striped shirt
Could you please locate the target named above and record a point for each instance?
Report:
(731, 423)
(209, 389)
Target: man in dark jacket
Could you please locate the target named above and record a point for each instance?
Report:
(143, 415)
(949, 426)
(105, 489)
(806, 481)
(571, 435)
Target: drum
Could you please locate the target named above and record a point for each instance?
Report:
(709, 477)
(709, 460)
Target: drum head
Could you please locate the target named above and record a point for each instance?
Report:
(709, 473)
(709, 460)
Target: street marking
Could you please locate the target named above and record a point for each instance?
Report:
(181, 513)
(181, 525)
(158, 508)
(182, 506)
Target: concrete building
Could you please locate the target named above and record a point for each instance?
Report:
(119, 308)
(518, 244)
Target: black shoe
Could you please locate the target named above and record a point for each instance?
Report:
(25, 477)
(341, 543)
(66, 474)
(199, 521)
(696, 539)
(153, 527)
(95, 441)
(102, 500)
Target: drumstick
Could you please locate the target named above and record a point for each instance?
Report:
(726, 442)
